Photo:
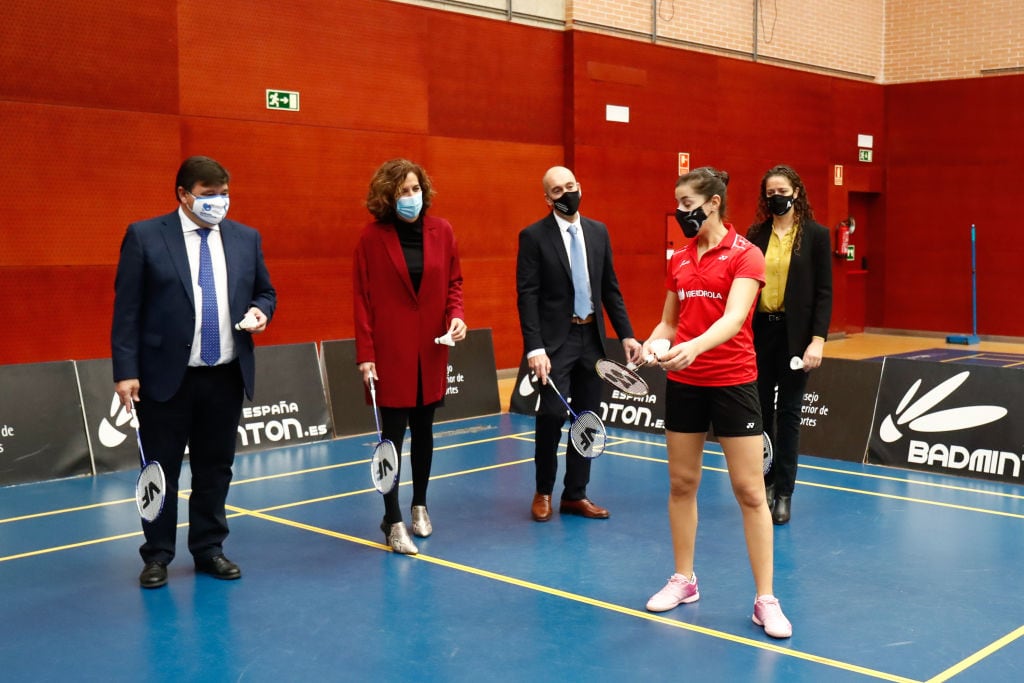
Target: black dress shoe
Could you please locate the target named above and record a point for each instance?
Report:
(153, 575)
(219, 567)
(780, 513)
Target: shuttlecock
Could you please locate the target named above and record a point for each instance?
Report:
(247, 323)
(446, 339)
(796, 363)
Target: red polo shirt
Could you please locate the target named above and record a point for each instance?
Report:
(703, 287)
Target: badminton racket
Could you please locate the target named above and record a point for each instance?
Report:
(622, 377)
(384, 462)
(587, 431)
(769, 453)
(151, 486)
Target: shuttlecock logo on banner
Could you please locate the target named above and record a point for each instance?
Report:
(915, 416)
(110, 432)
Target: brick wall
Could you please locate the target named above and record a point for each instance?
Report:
(888, 42)
(929, 40)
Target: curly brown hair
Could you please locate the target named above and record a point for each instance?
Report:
(802, 211)
(387, 182)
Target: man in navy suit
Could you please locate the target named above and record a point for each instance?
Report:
(563, 331)
(183, 282)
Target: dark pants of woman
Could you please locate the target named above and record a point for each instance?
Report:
(781, 412)
(420, 420)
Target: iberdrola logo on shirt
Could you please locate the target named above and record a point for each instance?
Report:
(699, 293)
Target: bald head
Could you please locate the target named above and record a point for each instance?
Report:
(555, 176)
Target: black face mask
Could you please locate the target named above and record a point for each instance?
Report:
(780, 204)
(690, 221)
(568, 204)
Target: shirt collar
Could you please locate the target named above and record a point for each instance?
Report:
(563, 224)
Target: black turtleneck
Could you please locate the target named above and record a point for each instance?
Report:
(410, 235)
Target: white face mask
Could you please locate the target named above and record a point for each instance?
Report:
(211, 209)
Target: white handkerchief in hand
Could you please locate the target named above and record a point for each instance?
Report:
(247, 323)
(446, 340)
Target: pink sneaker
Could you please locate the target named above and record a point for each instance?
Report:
(678, 590)
(768, 613)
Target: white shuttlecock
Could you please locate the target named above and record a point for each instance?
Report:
(796, 363)
(247, 323)
(659, 346)
(446, 340)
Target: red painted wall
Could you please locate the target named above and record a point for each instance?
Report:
(95, 125)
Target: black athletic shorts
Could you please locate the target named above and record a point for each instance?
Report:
(732, 411)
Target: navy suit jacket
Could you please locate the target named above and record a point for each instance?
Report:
(544, 284)
(154, 306)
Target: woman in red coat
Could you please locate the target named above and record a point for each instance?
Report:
(407, 292)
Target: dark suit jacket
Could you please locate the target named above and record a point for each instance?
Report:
(808, 296)
(154, 309)
(544, 284)
(396, 325)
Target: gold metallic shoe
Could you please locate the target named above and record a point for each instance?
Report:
(398, 538)
(421, 521)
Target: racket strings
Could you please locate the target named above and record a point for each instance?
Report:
(588, 434)
(621, 377)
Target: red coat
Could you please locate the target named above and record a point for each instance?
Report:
(395, 326)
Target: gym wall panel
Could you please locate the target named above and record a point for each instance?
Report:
(74, 52)
(356, 63)
(76, 177)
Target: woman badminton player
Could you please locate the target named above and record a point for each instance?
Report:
(712, 371)
(407, 292)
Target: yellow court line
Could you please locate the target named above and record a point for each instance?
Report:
(576, 597)
(981, 654)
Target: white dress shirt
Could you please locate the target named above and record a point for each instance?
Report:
(220, 279)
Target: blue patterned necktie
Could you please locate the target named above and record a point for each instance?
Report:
(209, 331)
(581, 288)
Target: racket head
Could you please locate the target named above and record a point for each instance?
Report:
(384, 466)
(588, 434)
(150, 491)
(621, 377)
(769, 453)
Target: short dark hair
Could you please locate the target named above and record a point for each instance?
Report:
(387, 182)
(708, 182)
(200, 170)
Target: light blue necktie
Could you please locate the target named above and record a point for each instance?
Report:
(209, 330)
(581, 300)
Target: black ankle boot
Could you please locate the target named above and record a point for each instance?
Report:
(769, 494)
(780, 513)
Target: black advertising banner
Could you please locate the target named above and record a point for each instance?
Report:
(289, 406)
(472, 378)
(110, 427)
(41, 431)
(836, 411)
(943, 418)
(640, 413)
(472, 383)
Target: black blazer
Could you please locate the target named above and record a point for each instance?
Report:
(808, 296)
(544, 284)
(154, 310)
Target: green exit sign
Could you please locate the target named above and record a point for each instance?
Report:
(283, 99)
(865, 155)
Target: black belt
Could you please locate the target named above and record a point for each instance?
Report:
(583, 321)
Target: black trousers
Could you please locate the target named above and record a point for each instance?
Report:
(781, 392)
(204, 416)
(572, 370)
(421, 435)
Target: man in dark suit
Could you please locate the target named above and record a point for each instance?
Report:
(186, 283)
(563, 331)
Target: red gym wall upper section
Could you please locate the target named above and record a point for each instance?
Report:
(97, 110)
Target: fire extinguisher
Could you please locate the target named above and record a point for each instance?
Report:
(842, 239)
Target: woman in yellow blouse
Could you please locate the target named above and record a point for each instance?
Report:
(792, 318)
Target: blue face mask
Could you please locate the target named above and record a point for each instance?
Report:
(408, 208)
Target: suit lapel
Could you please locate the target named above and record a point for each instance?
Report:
(389, 236)
(232, 249)
(593, 266)
(557, 243)
(174, 238)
